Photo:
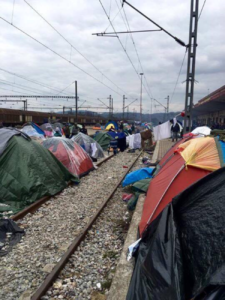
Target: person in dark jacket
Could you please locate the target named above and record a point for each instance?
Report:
(175, 128)
(84, 130)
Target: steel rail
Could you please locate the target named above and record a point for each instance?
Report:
(37, 204)
(47, 283)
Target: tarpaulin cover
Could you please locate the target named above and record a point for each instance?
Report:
(27, 173)
(70, 154)
(121, 138)
(111, 124)
(182, 252)
(33, 131)
(103, 139)
(137, 176)
(16, 233)
(6, 134)
(201, 153)
(89, 145)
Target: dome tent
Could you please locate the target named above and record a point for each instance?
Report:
(27, 171)
(48, 129)
(112, 124)
(70, 154)
(104, 139)
(89, 145)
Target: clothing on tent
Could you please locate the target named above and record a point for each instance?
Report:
(89, 145)
(137, 176)
(28, 172)
(48, 129)
(134, 141)
(6, 134)
(181, 255)
(8, 226)
(70, 154)
(162, 131)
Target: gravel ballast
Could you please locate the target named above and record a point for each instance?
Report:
(52, 228)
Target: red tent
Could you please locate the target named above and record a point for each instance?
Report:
(177, 174)
(70, 154)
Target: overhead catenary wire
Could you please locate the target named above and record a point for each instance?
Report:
(61, 56)
(181, 67)
(73, 47)
(30, 80)
(201, 10)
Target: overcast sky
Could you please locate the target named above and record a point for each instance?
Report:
(160, 55)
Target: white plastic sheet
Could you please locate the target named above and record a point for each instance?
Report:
(162, 131)
(201, 131)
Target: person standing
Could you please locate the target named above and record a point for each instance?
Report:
(84, 130)
(175, 128)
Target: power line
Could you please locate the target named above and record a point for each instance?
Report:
(30, 80)
(65, 39)
(182, 63)
(201, 10)
(59, 55)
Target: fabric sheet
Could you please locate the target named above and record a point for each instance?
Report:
(162, 131)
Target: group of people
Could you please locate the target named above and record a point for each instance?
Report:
(68, 132)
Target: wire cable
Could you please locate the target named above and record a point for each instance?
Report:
(182, 63)
(59, 55)
(201, 10)
(66, 40)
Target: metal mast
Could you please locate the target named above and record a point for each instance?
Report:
(191, 64)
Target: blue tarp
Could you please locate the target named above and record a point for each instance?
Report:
(222, 145)
(137, 175)
(119, 135)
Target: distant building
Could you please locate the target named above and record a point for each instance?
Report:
(210, 110)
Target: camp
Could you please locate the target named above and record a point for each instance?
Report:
(70, 154)
(28, 171)
(89, 145)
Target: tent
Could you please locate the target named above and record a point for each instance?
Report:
(70, 154)
(112, 124)
(48, 129)
(89, 145)
(103, 139)
(34, 131)
(27, 171)
(192, 160)
(181, 255)
(58, 126)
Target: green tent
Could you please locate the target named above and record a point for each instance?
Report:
(141, 185)
(28, 172)
(103, 139)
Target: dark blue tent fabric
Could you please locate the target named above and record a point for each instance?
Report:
(138, 175)
(222, 146)
(119, 135)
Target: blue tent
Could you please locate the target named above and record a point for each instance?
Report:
(137, 176)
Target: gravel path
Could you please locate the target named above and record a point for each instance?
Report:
(52, 228)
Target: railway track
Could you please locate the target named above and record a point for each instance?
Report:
(37, 204)
(76, 242)
(57, 229)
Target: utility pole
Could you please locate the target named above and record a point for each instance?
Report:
(110, 105)
(76, 100)
(168, 103)
(192, 46)
(63, 109)
(124, 98)
(141, 74)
